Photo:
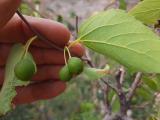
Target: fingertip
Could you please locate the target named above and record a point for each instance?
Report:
(38, 91)
(64, 33)
(77, 50)
(7, 10)
(52, 30)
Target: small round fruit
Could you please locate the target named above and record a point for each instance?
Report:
(65, 74)
(75, 65)
(25, 69)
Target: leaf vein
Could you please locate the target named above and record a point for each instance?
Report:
(122, 47)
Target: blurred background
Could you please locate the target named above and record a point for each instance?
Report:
(84, 99)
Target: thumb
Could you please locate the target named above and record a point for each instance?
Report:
(7, 10)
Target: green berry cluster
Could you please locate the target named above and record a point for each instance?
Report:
(73, 67)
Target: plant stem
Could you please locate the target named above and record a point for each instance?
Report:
(40, 36)
(134, 86)
(74, 43)
(121, 94)
(69, 54)
(65, 57)
(29, 42)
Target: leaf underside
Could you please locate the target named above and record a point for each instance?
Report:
(8, 91)
(95, 74)
(147, 11)
(116, 34)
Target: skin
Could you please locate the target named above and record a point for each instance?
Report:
(46, 83)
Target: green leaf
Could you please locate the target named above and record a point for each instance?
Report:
(95, 74)
(114, 100)
(120, 36)
(152, 84)
(144, 93)
(147, 11)
(115, 104)
(8, 92)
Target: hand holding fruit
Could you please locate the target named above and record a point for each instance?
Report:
(49, 61)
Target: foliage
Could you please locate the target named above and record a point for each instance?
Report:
(121, 36)
(147, 11)
(11, 81)
(114, 30)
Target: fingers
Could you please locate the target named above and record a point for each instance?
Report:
(51, 56)
(38, 91)
(53, 31)
(17, 31)
(41, 56)
(77, 50)
(7, 10)
(47, 56)
(1, 76)
(45, 72)
(49, 61)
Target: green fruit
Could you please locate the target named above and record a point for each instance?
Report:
(65, 74)
(75, 65)
(25, 69)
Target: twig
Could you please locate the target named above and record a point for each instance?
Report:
(134, 86)
(106, 90)
(87, 58)
(121, 94)
(37, 33)
(121, 79)
(112, 87)
(108, 86)
(77, 25)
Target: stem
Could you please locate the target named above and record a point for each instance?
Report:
(29, 42)
(77, 25)
(121, 94)
(69, 54)
(134, 86)
(26, 47)
(37, 33)
(65, 57)
(74, 43)
(112, 87)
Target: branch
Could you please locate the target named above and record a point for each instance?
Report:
(106, 90)
(134, 86)
(40, 36)
(87, 58)
(120, 79)
(122, 98)
(112, 87)
(107, 85)
(77, 25)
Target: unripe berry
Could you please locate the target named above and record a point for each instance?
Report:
(65, 74)
(25, 69)
(75, 65)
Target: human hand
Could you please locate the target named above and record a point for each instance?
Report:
(46, 82)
